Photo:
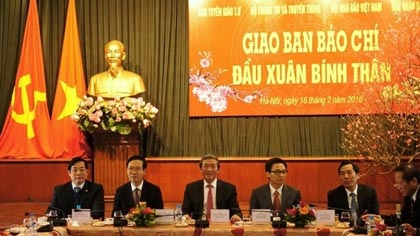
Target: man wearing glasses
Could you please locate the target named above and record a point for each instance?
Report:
(203, 195)
(79, 193)
(276, 195)
(407, 180)
(358, 198)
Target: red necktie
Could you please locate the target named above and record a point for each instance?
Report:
(209, 201)
(276, 201)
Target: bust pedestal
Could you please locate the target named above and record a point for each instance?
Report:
(110, 153)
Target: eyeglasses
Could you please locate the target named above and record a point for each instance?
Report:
(349, 172)
(135, 168)
(81, 170)
(278, 172)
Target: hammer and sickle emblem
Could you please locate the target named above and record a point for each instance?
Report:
(28, 115)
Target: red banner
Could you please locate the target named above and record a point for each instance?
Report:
(69, 141)
(251, 58)
(27, 129)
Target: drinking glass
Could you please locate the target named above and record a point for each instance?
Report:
(52, 215)
(14, 229)
(247, 219)
(345, 216)
(27, 222)
(118, 214)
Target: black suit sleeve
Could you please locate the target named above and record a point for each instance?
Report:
(55, 204)
(331, 204)
(155, 198)
(374, 204)
(188, 204)
(98, 203)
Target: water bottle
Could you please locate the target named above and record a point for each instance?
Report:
(32, 229)
(178, 214)
(398, 229)
(370, 224)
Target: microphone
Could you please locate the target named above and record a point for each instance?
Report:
(56, 222)
(329, 208)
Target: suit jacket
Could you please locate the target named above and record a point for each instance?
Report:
(367, 201)
(410, 213)
(261, 198)
(226, 198)
(124, 200)
(90, 197)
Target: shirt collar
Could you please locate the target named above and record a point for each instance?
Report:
(414, 197)
(214, 183)
(139, 187)
(349, 192)
(80, 186)
(272, 189)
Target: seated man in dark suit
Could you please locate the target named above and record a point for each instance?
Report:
(138, 189)
(407, 180)
(264, 197)
(359, 198)
(79, 193)
(210, 193)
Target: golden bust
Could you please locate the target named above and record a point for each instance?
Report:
(115, 82)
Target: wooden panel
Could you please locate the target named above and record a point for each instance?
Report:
(20, 179)
(35, 179)
(111, 151)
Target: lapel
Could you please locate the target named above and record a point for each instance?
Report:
(284, 195)
(267, 197)
(68, 191)
(84, 192)
(128, 194)
(360, 202)
(144, 190)
(219, 193)
(344, 197)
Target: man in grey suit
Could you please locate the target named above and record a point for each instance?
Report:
(210, 193)
(340, 198)
(276, 195)
(137, 189)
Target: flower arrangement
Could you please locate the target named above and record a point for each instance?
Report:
(301, 214)
(142, 215)
(117, 115)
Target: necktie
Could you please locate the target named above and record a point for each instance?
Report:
(353, 204)
(136, 196)
(209, 201)
(276, 201)
(353, 208)
(76, 195)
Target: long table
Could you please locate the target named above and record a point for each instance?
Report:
(171, 230)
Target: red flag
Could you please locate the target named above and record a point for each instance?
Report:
(69, 141)
(27, 128)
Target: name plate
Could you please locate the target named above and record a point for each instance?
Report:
(81, 216)
(164, 216)
(325, 217)
(261, 216)
(220, 216)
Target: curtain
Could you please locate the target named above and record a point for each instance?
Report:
(155, 33)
